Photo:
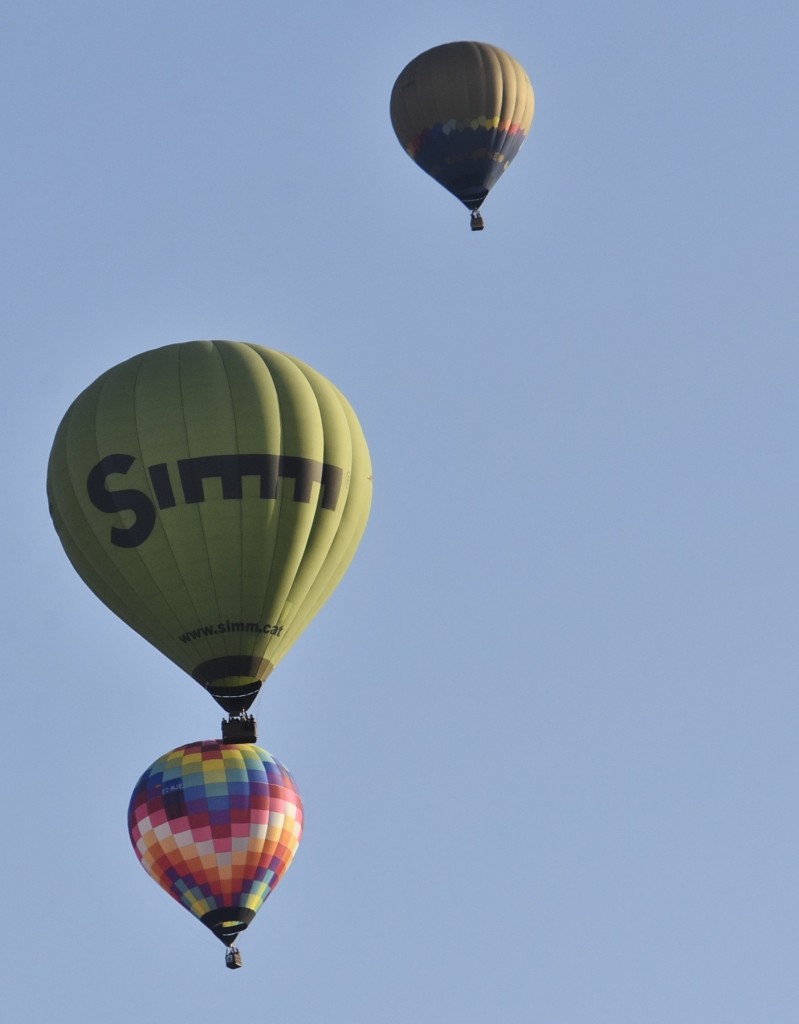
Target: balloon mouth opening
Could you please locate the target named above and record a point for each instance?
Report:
(472, 198)
(227, 922)
(233, 681)
(236, 699)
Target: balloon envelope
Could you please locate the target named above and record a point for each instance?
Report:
(216, 825)
(461, 111)
(212, 494)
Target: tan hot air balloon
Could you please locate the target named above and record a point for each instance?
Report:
(461, 111)
(212, 494)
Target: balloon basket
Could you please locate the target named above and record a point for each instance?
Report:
(239, 729)
(477, 223)
(232, 958)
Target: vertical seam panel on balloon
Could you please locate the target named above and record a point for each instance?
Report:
(158, 354)
(300, 618)
(178, 565)
(507, 65)
(133, 615)
(193, 454)
(350, 545)
(218, 348)
(284, 505)
(279, 497)
(490, 64)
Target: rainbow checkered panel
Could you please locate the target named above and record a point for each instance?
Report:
(216, 825)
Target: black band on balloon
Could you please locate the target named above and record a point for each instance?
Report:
(227, 922)
(233, 698)
(471, 195)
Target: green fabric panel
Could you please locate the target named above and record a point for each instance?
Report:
(259, 429)
(210, 547)
(337, 452)
(174, 554)
(103, 423)
(351, 528)
(303, 437)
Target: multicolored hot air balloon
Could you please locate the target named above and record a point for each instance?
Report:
(212, 494)
(461, 111)
(217, 825)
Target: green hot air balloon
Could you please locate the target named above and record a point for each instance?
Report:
(461, 111)
(212, 494)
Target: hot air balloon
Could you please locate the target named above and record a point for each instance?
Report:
(461, 111)
(212, 494)
(217, 825)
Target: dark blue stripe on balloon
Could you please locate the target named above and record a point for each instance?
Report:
(465, 162)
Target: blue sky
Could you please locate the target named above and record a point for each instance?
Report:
(545, 730)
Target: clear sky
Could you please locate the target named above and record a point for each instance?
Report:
(546, 729)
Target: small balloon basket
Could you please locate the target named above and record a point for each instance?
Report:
(477, 222)
(232, 958)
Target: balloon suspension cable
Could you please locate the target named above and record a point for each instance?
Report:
(477, 223)
(232, 958)
(240, 728)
